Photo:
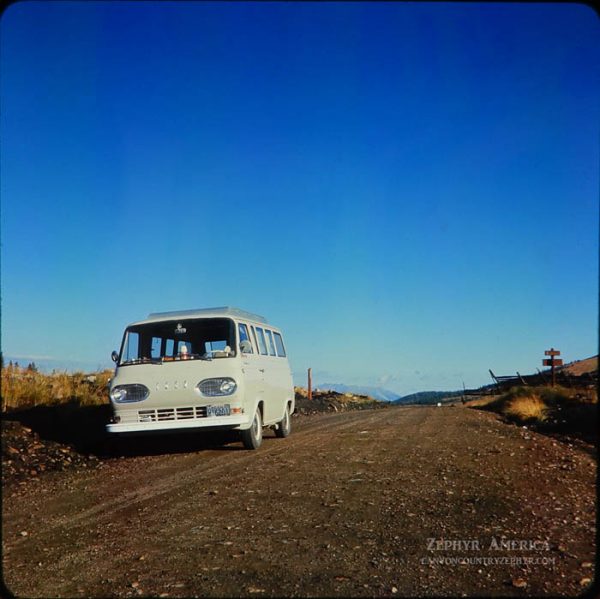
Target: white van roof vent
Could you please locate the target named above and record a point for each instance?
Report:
(203, 312)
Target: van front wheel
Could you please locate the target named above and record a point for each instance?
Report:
(252, 437)
(284, 426)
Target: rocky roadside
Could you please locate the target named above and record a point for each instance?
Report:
(25, 455)
(332, 401)
(306, 407)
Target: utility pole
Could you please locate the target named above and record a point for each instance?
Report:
(552, 362)
(310, 383)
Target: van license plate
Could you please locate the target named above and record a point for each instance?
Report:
(218, 410)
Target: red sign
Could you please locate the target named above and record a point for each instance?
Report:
(553, 362)
(552, 352)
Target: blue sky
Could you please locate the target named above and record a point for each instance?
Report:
(409, 190)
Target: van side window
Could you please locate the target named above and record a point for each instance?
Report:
(279, 345)
(169, 347)
(271, 344)
(244, 336)
(254, 337)
(261, 341)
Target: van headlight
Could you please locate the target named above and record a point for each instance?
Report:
(217, 387)
(126, 393)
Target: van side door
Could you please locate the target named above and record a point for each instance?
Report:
(253, 376)
(273, 408)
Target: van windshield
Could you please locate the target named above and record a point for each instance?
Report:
(174, 340)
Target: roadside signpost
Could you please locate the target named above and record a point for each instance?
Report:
(552, 361)
(310, 383)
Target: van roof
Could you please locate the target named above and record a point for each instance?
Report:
(223, 311)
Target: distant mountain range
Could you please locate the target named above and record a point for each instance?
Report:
(375, 392)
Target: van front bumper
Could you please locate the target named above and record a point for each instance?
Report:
(216, 422)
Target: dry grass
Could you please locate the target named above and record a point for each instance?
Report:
(556, 409)
(22, 388)
(526, 409)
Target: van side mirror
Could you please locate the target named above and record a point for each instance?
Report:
(246, 346)
(115, 356)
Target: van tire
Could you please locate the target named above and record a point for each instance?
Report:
(284, 426)
(252, 437)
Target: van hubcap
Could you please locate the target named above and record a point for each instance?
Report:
(256, 429)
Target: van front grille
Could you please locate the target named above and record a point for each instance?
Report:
(162, 414)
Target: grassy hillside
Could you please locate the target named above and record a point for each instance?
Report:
(580, 367)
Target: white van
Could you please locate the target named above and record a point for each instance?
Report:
(216, 368)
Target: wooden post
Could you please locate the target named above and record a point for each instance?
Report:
(310, 383)
(552, 362)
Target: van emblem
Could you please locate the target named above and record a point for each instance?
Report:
(180, 330)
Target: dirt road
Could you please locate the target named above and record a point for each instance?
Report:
(402, 501)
